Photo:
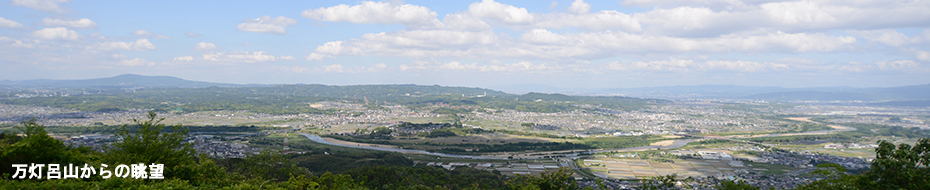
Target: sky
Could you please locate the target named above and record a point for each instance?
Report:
(564, 43)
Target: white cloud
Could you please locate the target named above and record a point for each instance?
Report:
(602, 20)
(546, 45)
(42, 5)
(380, 66)
(898, 65)
(892, 38)
(10, 24)
(317, 56)
(59, 33)
(16, 43)
(145, 34)
(417, 43)
(368, 12)
(923, 55)
(138, 45)
(134, 62)
(464, 22)
(83, 23)
(204, 46)
(266, 24)
(885, 66)
(184, 58)
(541, 36)
(238, 56)
(288, 57)
(335, 68)
(193, 35)
(579, 7)
(786, 16)
(727, 5)
(496, 66)
(508, 14)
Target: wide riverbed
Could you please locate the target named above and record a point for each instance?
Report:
(319, 139)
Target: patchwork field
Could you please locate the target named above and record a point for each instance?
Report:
(633, 168)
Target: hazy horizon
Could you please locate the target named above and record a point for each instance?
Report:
(506, 88)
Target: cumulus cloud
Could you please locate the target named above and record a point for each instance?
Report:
(287, 57)
(335, 68)
(885, 66)
(417, 43)
(138, 45)
(184, 58)
(602, 20)
(368, 12)
(508, 14)
(16, 43)
(266, 24)
(544, 44)
(193, 35)
(923, 55)
(10, 24)
(786, 16)
(204, 46)
(465, 22)
(147, 34)
(85, 24)
(380, 66)
(708, 18)
(59, 33)
(892, 38)
(51, 6)
(495, 66)
(579, 7)
(135, 62)
(720, 5)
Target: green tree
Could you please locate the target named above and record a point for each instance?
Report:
(901, 167)
(149, 145)
(39, 148)
(835, 177)
(548, 180)
(737, 185)
(269, 164)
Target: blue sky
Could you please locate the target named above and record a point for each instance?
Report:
(566, 43)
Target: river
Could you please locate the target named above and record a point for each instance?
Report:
(319, 139)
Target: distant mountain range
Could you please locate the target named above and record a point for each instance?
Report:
(903, 95)
(895, 96)
(121, 81)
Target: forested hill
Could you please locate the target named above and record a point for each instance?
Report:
(384, 92)
(292, 99)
